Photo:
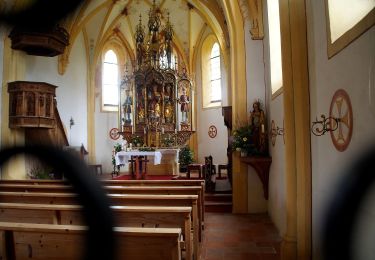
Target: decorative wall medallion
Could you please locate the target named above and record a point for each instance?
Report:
(212, 131)
(113, 134)
(341, 108)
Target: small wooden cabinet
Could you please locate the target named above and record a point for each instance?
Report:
(31, 104)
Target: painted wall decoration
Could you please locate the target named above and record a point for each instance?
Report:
(341, 108)
(212, 131)
(114, 134)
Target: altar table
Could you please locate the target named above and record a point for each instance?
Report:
(162, 161)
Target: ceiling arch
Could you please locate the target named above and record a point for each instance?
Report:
(188, 17)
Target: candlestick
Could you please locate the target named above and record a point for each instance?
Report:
(175, 131)
(144, 130)
(162, 130)
(262, 128)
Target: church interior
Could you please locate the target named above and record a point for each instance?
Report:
(219, 129)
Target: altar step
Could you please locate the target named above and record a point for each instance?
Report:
(218, 202)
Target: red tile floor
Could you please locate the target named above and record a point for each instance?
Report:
(239, 237)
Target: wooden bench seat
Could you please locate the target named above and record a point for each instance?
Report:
(116, 199)
(50, 241)
(125, 216)
(119, 189)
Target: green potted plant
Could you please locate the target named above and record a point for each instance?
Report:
(185, 157)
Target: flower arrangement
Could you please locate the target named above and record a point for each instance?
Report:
(167, 140)
(116, 148)
(146, 149)
(243, 140)
(137, 140)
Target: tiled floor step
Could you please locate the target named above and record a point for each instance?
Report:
(218, 202)
(213, 206)
(221, 197)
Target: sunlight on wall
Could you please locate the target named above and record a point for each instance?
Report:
(275, 45)
(345, 14)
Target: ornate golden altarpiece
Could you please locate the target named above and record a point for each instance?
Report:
(156, 98)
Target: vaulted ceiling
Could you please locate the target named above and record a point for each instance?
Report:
(101, 18)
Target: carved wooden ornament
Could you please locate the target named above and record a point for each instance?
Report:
(341, 108)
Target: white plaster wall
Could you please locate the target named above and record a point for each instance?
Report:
(352, 69)
(276, 186)
(256, 90)
(277, 181)
(71, 92)
(216, 147)
(104, 122)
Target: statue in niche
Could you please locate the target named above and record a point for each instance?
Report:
(127, 107)
(157, 110)
(168, 92)
(184, 101)
(151, 108)
(168, 111)
(257, 120)
(140, 106)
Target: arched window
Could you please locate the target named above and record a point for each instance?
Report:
(276, 69)
(110, 82)
(211, 73)
(215, 75)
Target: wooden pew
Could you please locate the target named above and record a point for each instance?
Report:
(117, 200)
(120, 189)
(125, 183)
(50, 241)
(125, 216)
(120, 182)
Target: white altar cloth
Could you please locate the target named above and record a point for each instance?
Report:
(123, 157)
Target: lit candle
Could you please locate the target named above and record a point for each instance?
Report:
(262, 128)
(175, 131)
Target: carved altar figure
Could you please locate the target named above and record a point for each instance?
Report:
(168, 92)
(168, 110)
(184, 101)
(140, 107)
(127, 107)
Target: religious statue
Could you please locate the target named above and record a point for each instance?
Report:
(168, 111)
(127, 107)
(140, 107)
(257, 120)
(157, 110)
(184, 101)
(168, 92)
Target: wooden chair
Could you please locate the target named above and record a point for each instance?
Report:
(194, 167)
(210, 170)
(222, 167)
(96, 169)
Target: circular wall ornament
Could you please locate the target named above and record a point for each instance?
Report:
(212, 131)
(341, 108)
(113, 134)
